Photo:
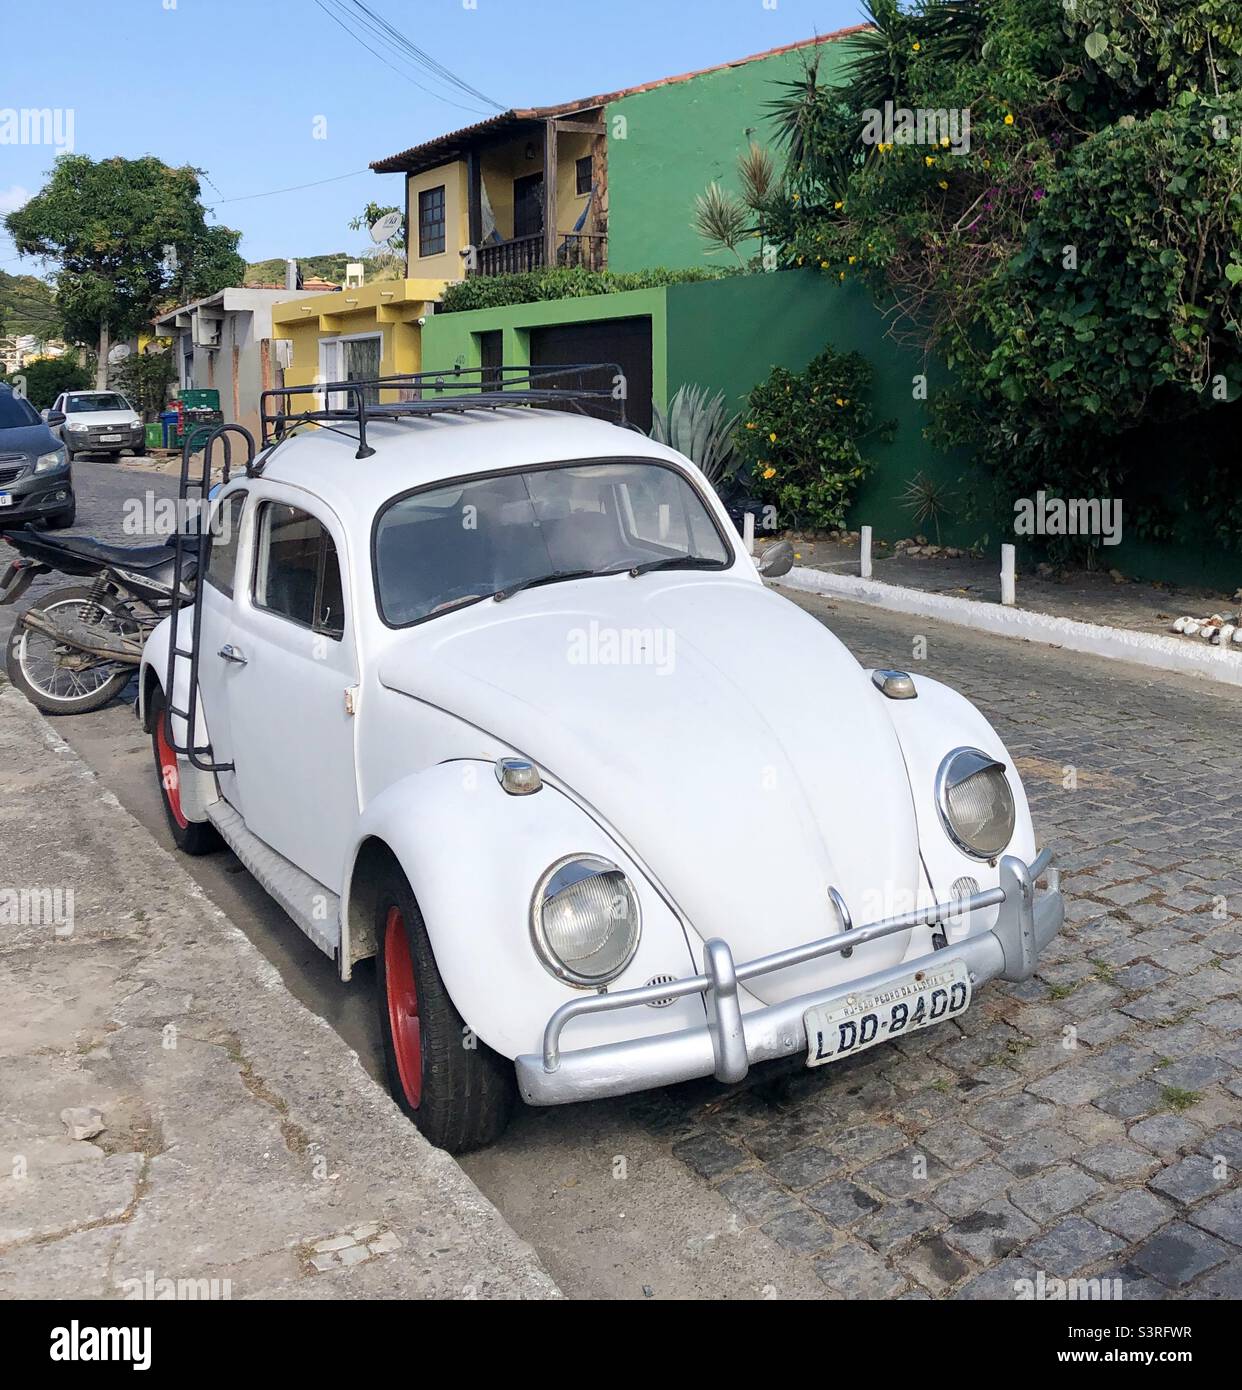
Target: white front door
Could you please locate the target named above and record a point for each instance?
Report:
(288, 662)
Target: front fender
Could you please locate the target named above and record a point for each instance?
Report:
(935, 723)
(473, 855)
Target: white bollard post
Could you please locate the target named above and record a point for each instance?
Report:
(1008, 581)
(748, 531)
(864, 553)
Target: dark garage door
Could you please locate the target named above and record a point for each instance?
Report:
(626, 342)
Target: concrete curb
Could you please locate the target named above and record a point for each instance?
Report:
(1142, 648)
(254, 1149)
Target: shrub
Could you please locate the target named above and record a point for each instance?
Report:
(802, 434)
(47, 377)
(568, 282)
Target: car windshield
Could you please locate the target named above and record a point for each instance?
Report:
(104, 400)
(16, 412)
(453, 544)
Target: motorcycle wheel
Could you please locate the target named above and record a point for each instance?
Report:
(36, 664)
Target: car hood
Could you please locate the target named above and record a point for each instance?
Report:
(722, 732)
(122, 419)
(28, 439)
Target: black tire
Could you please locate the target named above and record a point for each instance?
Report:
(467, 1090)
(18, 658)
(191, 837)
(139, 451)
(59, 520)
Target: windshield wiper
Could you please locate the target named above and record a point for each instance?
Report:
(554, 578)
(670, 562)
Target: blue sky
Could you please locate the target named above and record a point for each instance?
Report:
(236, 87)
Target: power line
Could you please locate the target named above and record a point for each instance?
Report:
(424, 58)
(293, 188)
(353, 34)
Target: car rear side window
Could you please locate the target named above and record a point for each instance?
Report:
(297, 574)
(226, 528)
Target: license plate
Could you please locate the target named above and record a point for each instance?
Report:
(109, 438)
(6, 499)
(874, 1016)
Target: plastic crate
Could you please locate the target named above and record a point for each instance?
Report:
(207, 399)
(153, 436)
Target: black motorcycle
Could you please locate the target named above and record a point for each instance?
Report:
(75, 649)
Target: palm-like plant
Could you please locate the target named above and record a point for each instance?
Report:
(722, 220)
(699, 426)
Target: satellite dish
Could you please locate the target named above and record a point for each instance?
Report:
(387, 226)
(119, 353)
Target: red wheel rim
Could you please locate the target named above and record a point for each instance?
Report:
(403, 1020)
(170, 773)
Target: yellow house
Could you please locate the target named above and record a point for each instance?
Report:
(354, 334)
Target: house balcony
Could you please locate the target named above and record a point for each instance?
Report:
(587, 250)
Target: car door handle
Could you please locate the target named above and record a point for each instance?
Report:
(232, 653)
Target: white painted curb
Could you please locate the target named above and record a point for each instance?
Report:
(1180, 654)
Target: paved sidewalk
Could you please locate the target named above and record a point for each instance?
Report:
(1085, 596)
(168, 1111)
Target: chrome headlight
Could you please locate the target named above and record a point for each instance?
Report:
(76, 426)
(56, 459)
(975, 803)
(584, 920)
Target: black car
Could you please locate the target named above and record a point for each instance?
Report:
(36, 480)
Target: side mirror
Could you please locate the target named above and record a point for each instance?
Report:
(54, 417)
(776, 560)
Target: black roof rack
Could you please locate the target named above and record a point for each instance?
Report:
(560, 387)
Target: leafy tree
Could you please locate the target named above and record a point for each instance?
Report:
(1076, 263)
(128, 235)
(47, 377)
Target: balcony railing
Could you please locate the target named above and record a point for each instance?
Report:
(588, 250)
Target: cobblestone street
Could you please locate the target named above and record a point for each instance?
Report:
(1085, 1123)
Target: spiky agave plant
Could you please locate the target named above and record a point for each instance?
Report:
(926, 499)
(722, 220)
(698, 425)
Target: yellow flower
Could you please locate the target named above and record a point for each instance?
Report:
(772, 437)
(799, 260)
(944, 142)
(944, 183)
(797, 555)
(769, 472)
(917, 45)
(841, 276)
(838, 206)
(928, 160)
(796, 196)
(823, 265)
(1008, 119)
(853, 259)
(750, 424)
(840, 401)
(987, 163)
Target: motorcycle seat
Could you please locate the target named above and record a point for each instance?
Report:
(130, 557)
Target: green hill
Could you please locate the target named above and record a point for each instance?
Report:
(330, 267)
(26, 306)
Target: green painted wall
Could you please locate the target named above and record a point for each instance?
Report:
(676, 139)
(729, 334)
(453, 339)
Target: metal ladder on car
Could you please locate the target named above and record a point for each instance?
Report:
(195, 541)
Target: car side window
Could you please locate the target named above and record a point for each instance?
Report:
(226, 529)
(297, 574)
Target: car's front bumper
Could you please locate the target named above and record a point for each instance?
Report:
(731, 1041)
(37, 494)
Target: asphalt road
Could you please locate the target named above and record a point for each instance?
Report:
(968, 1156)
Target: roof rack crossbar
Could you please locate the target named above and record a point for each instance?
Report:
(458, 389)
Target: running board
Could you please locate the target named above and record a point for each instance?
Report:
(315, 909)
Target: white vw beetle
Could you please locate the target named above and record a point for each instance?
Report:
(506, 705)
